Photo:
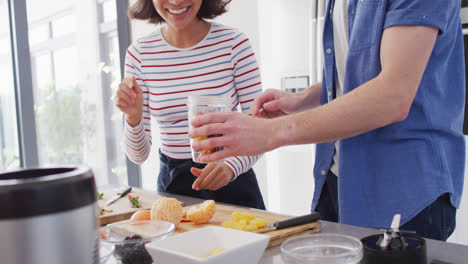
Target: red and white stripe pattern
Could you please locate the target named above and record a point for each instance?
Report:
(222, 64)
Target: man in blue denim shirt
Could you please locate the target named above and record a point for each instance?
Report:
(399, 121)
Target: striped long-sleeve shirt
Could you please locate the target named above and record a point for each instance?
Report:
(223, 64)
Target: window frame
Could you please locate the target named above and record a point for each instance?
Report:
(26, 121)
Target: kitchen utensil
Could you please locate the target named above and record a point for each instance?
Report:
(119, 195)
(300, 220)
(394, 246)
(322, 248)
(227, 246)
(48, 216)
(394, 229)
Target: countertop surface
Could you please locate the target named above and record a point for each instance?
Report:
(438, 252)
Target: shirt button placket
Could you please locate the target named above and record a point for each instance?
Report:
(329, 51)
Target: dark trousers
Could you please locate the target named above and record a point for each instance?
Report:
(436, 221)
(175, 177)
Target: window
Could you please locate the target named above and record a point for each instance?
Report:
(9, 151)
(74, 73)
(64, 25)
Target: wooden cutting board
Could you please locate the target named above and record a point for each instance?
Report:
(121, 209)
(224, 212)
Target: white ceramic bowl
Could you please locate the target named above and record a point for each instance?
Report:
(192, 247)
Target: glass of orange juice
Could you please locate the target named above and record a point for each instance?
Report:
(202, 104)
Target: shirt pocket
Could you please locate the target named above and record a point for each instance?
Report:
(367, 24)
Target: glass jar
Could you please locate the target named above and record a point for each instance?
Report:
(202, 104)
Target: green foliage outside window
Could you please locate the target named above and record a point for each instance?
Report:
(66, 125)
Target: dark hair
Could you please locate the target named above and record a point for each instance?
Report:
(144, 10)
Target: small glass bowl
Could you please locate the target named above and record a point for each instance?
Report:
(105, 251)
(128, 250)
(322, 248)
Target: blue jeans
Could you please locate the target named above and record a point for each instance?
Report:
(175, 177)
(436, 221)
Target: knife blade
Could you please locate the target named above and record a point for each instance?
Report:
(295, 221)
(119, 195)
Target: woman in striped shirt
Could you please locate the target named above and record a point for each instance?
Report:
(188, 55)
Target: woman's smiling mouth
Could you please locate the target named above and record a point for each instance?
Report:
(178, 11)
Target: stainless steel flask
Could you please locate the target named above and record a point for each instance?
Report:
(48, 216)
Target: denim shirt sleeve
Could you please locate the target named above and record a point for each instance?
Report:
(435, 13)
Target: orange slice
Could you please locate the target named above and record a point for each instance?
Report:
(201, 138)
(184, 217)
(202, 213)
(141, 215)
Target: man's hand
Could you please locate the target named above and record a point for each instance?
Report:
(213, 177)
(274, 103)
(129, 99)
(240, 134)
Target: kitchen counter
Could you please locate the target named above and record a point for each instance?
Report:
(438, 252)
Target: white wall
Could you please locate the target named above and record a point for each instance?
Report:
(285, 51)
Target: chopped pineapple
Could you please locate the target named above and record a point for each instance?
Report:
(258, 222)
(245, 221)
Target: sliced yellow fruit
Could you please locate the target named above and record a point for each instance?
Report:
(201, 138)
(245, 221)
(214, 252)
(237, 216)
(247, 215)
(259, 222)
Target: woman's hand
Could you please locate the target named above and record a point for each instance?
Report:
(213, 177)
(129, 99)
